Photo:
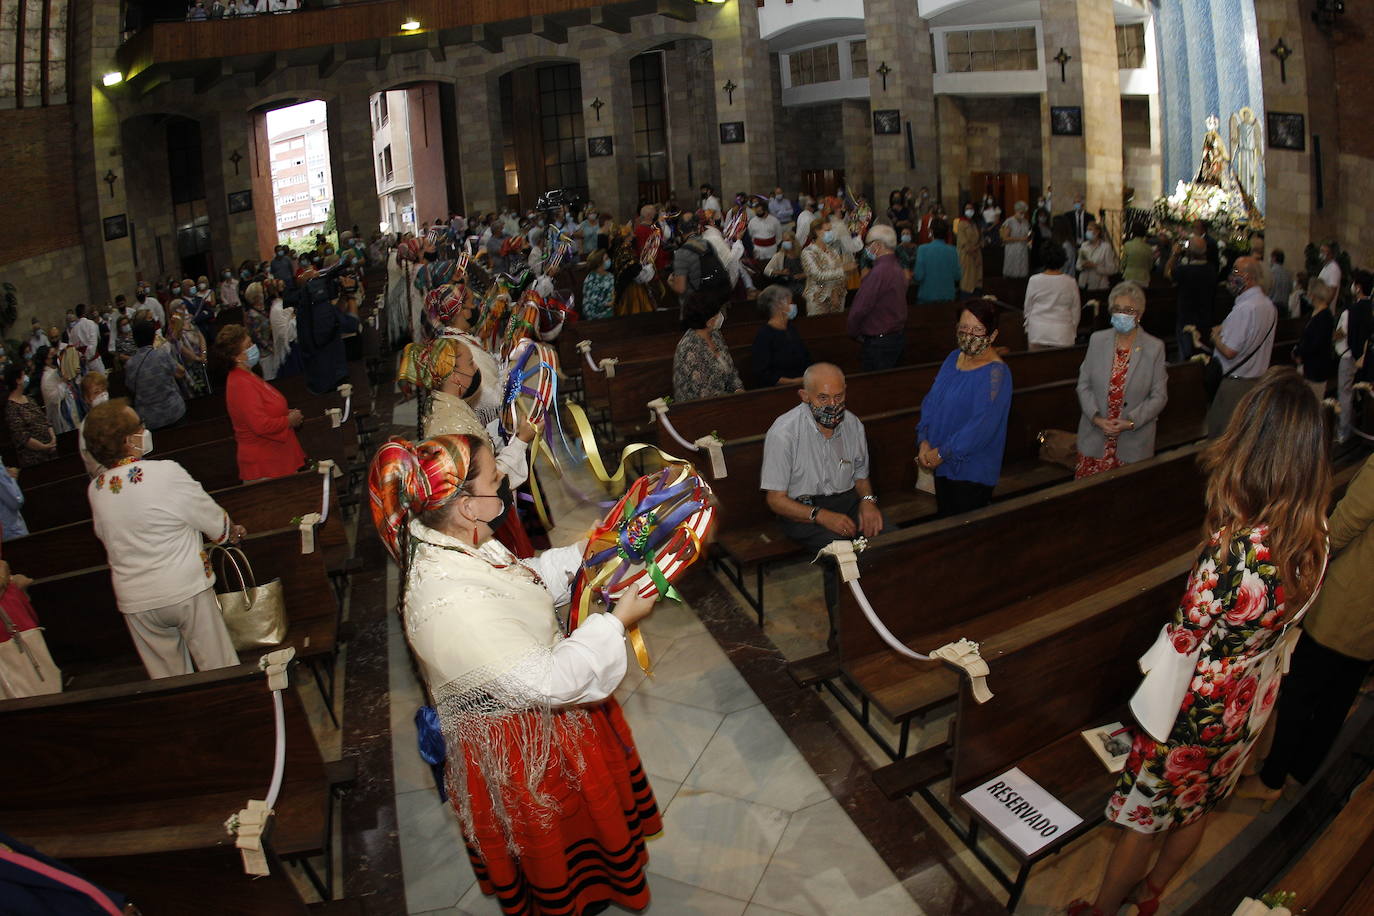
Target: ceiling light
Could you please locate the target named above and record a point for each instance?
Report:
(112, 78)
(410, 25)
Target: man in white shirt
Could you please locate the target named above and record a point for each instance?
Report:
(1244, 343)
(765, 232)
(84, 334)
(804, 219)
(147, 300)
(153, 517)
(709, 201)
(1331, 269)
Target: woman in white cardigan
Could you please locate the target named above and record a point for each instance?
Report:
(542, 768)
(1122, 388)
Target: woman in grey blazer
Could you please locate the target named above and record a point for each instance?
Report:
(1122, 388)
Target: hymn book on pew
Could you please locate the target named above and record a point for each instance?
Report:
(1111, 743)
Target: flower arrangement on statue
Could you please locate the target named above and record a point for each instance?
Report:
(1225, 217)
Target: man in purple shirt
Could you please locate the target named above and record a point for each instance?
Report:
(878, 316)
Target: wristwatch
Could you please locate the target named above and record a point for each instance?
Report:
(815, 511)
(869, 498)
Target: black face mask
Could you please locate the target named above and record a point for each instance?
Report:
(473, 385)
(507, 499)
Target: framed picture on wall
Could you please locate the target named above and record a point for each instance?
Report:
(240, 201)
(116, 227)
(887, 121)
(600, 146)
(732, 132)
(1066, 121)
(1286, 131)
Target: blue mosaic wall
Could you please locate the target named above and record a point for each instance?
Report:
(1208, 53)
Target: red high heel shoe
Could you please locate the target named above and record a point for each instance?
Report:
(1148, 906)
(1082, 908)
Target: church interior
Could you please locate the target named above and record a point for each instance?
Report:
(856, 603)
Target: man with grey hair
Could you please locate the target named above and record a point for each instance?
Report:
(1244, 342)
(815, 474)
(878, 317)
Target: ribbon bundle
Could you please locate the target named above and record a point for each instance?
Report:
(531, 384)
(651, 246)
(646, 541)
(522, 323)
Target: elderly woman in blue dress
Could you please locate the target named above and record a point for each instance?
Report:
(963, 429)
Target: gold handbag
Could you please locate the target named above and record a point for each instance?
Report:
(255, 615)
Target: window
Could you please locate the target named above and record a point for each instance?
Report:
(858, 59)
(386, 163)
(382, 113)
(560, 110)
(815, 65)
(985, 50)
(651, 134)
(33, 53)
(1130, 46)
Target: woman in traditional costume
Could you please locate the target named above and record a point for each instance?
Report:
(542, 770)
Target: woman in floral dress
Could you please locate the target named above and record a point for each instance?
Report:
(1268, 485)
(824, 266)
(598, 289)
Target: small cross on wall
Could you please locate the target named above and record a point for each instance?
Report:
(883, 71)
(236, 158)
(598, 105)
(730, 88)
(1062, 59)
(110, 179)
(1282, 52)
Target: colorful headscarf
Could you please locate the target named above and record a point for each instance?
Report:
(409, 250)
(427, 365)
(443, 303)
(407, 480)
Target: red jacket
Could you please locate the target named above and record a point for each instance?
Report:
(267, 443)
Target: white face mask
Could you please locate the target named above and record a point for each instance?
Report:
(100, 399)
(1090, 234)
(969, 213)
(145, 445)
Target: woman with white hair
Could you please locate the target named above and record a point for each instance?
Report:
(1122, 388)
(1016, 238)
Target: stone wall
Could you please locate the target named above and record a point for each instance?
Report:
(1288, 173)
(47, 285)
(1141, 159)
(38, 169)
(1003, 135)
(808, 138)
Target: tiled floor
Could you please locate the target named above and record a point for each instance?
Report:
(748, 826)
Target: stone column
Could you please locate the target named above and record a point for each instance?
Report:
(739, 58)
(899, 38)
(1090, 164)
(856, 129)
(479, 137)
(351, 163)
(611, 180)
(954, 162)
(692, 132)
(1287, 173)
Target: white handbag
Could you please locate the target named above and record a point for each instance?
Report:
(26, 666)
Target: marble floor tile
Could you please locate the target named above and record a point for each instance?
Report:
(758, 909)
(823, 866)
(751, 758)
(673, 898)
(446, 911)
(665, 790)
(695, 671)
(404, 414)
(670, 620)
(670, 736)
(436, 866)
(716, 842)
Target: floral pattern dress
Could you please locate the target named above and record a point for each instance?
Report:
(1116, 399)
(700, 373)
(1234, 608)
(598, 295)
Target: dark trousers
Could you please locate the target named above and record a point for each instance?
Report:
(1314, 699)
(953, 497)
(884, 352)
(816, 538)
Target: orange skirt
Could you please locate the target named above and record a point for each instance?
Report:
(593, 851)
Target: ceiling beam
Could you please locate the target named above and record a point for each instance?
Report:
(383, 54)
(550, 29)
(485, 36)
(269, 68)
(610, 21)
(435, 46)
(334, 58)
(212, 77)
(681, 10)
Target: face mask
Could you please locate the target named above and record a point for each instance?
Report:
(100, 399)
(1078, 205)
(827, 417)
(971, 344)
(830, 236)
(1236, 284)
(502, 493)
(968, 214)
(717, 322)
(1090, 234)
(1123, 323)
(906, 237)
(791, 311)
(203, 287)
(252, 356)
(243, 274)
(786, 246)
(473, 386)
(145, 444)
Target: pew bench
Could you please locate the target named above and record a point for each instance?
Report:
(90, 642)
(148, 779)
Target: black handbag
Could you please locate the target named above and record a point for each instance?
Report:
(1213, 375)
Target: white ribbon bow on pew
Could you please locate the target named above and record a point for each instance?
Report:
(658, 411)
(335, 416)
(327, 470)
(962, 654)
(248, 825)
(606, 365)
(307, 526)
(345, 392)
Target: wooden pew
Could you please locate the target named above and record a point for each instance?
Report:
(929, 338)
(1078, 672)
(1336, 874)
(90, 642)
(736, 416)
(749, 535)
(136, 780)
(214, 464)
(1048, 549)
(264, 506)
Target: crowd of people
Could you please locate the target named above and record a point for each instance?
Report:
(201, 10)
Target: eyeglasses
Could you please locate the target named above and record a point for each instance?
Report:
(972, 332)
(1133, 312)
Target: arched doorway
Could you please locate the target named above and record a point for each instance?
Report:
(169, 208)
(543, 136)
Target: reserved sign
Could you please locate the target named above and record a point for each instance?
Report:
(1019, 809)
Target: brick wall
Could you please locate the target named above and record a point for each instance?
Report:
(38, 195)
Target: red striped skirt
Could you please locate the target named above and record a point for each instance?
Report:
(593, 851)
